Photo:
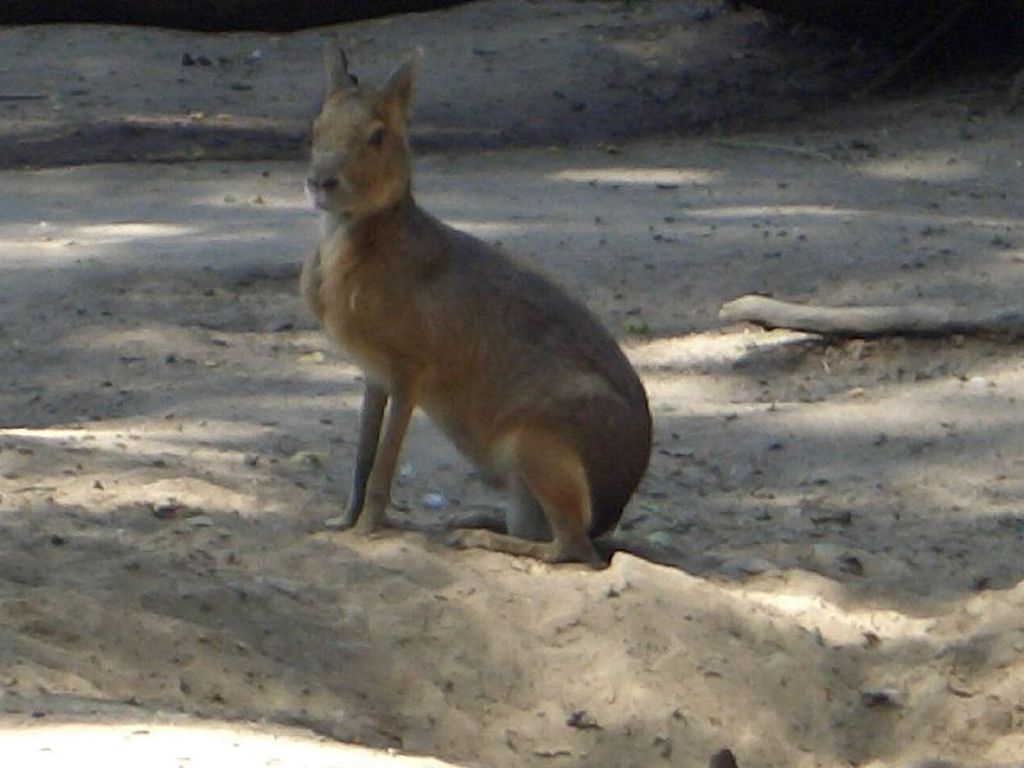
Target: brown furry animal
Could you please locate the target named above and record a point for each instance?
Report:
(522, 378)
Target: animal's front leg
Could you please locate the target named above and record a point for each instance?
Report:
(375, 397)
(378, 495)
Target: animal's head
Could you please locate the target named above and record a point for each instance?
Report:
(359, 156)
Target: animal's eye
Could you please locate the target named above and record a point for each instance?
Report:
(377, 137)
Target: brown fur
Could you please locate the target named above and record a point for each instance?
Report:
(523, 379)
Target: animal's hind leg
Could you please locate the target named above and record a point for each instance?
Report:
(553, 474)
(527, 519)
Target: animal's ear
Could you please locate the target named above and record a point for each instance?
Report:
(397, 92)
(336, 67)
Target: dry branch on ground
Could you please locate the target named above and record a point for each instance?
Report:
(911, 320)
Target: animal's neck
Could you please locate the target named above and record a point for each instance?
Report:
(369, 225)
(331, 223)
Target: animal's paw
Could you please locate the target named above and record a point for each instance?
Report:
(339, 523)
(367, 526)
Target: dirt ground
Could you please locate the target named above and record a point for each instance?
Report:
(824, 565)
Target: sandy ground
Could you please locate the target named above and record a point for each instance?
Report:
(823, 566)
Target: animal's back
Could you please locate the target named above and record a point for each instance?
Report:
(512, 349)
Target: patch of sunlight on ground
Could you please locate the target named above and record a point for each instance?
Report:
(687, 352)
(199, 745)
(118, 231)
(692, 398)
(920, 410)
(923, 409)
(563, 223)
(843, 214)
(485, 229)
(62, 244)
(638, 176)
(660, 361)
(146, 437)
(760, 211)
(839, 625)
(285, 199)
(219, 449)
(15, 254)
(935, 166)
(199, 118)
